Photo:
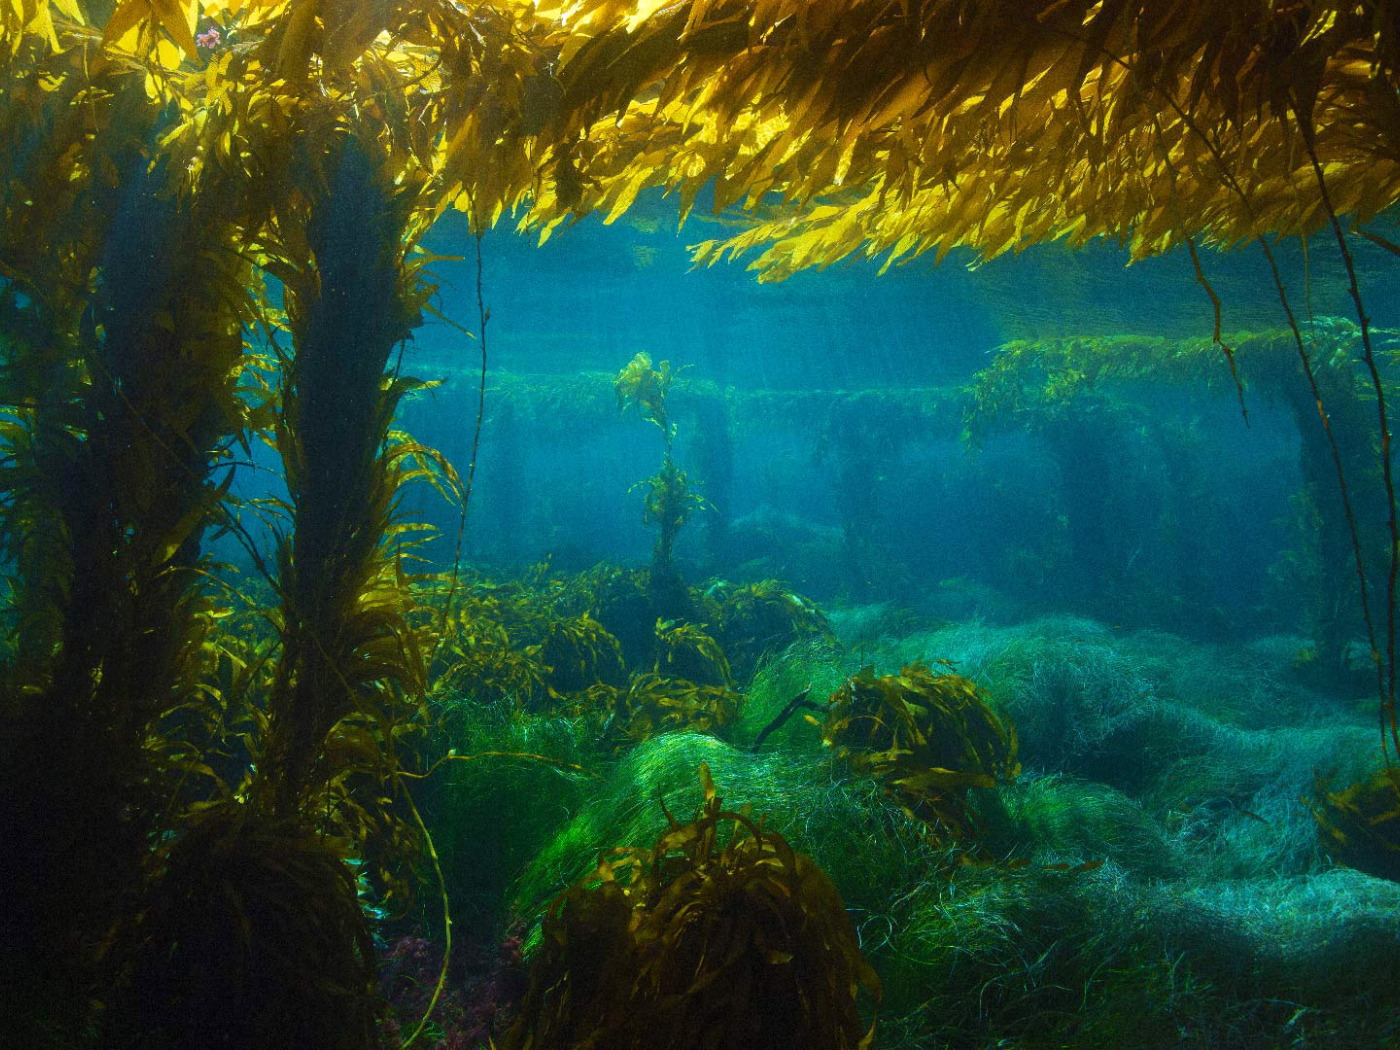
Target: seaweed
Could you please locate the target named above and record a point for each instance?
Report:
(669, 504)
(652, 704)
(1067, 392)
(686, 651)
(710, 938)
(252, 935)
(126, 137)
(754, 621)
(928, 738)
(1362, 821)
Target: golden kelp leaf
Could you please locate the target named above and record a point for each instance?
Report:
(351, 26)
(294, 52)
(177, 19)
(125, 17)
(928, 738)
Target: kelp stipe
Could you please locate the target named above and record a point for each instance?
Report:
(668, 503)
(346, 631)
(278, 866)
(123, 338)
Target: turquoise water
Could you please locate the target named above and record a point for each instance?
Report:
(1136, 574)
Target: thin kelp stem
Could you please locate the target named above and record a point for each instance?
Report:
(1196, 264)
(477, 756)
(437, 864)
(1233, 184)
(1379, 241)
(483, 315)
(1225, 348)
(1388, 697)
(1333, 447)
(789, 709)
(446, 922)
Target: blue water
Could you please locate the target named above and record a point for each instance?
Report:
(992, 519)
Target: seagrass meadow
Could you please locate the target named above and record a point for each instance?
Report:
(699, 525)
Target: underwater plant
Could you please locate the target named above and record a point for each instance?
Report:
(714, 450)
(121, 339)
(260, 889)
(719, 935)
(1362, 821)
(669, 503)
(928, 738)
(859, 437)
(686, 651)
(653, 704)
(924, 127)
(1063, 391)
(757, 620)
(253, 936)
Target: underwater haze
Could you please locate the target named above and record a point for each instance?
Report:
(1127, 562)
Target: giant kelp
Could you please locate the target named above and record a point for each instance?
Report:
(1071, 394)
(668, 501)
(122, 339)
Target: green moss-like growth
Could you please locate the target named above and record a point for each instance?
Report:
(1061, 821)
(718, 936)
(848, 826)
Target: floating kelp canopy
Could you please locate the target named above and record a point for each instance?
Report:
(906, 126)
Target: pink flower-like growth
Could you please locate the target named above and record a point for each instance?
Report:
(484, 988)
(209, 38)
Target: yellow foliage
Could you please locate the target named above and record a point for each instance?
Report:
(644, 386)
(653, 705)
(684, 650)
(922, 128)
(1362, 821)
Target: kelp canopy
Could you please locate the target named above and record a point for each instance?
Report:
(845, 125)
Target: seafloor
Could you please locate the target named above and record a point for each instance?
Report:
(1155, 877)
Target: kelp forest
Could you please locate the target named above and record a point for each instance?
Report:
(715, 524)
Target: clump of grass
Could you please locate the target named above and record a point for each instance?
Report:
(1237, 800)
(1051, 819)
(816, 663)
(1040, 959)
(861, 841)
(510, 787)
(1327, 940)
(1211, 921)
